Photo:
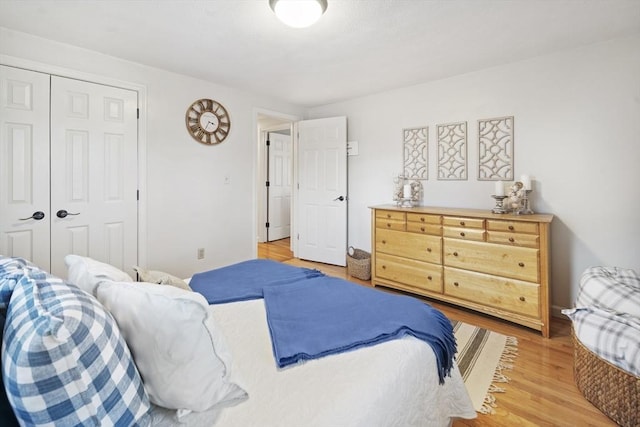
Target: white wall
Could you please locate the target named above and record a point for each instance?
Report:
(577, 132)
(188, 204)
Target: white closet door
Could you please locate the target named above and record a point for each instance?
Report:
(24, 165)
(93, 173)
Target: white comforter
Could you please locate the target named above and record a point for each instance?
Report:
(390, 384)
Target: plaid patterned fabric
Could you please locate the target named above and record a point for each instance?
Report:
(11, 270)
(607, 316)
(613, 337)
(610, 288)
(64, 361)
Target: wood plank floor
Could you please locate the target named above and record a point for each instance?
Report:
(541, 391)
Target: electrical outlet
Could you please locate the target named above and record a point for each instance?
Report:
(200, 253)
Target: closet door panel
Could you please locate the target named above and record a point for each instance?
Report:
(93, 173)
(24, 165)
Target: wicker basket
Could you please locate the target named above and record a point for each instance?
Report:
(609, 388)
(359, 263)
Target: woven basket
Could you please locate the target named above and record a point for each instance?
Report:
(359, 263)
(609, 388)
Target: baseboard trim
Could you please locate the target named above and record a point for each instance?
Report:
(556, 311)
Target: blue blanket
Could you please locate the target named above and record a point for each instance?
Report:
(325, 315)
(245, 280)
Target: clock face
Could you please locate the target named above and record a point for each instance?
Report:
(208, 121)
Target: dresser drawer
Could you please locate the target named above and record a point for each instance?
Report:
(416, 246)
(390, 224)
(424, 218)
(414, 273)
(418, 227)
(516, 239)
(507, 294)
(464, 233)
(512, 226)
(502, 260)
(454, 221)
(398, 216)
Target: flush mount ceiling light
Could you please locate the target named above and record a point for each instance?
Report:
(298, 13)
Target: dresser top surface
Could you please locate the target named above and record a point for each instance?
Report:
(473, 213)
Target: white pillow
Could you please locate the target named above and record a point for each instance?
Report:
(86, 272)
(161, 278)
(180, 354)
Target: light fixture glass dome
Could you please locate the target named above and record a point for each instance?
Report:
(298, 13)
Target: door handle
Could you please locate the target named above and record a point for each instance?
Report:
(36, 215)
(63, 214)
(341, 198)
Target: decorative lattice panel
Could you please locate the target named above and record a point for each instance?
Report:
(495, 149)
(416, 153)
(452, 151)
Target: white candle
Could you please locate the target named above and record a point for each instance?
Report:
(526, 181)
(406, 191)
(499, 188)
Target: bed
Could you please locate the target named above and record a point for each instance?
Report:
(396, 382)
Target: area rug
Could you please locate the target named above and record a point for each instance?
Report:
(482, 357)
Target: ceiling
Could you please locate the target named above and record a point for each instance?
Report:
(359, 47)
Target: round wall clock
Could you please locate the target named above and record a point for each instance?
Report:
(208, 121)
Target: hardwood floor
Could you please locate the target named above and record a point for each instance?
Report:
(541, 390)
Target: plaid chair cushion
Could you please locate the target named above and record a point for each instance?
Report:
(64, 361)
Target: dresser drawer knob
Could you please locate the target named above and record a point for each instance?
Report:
(422, 218)
(521, 264)
(455, 254)
(428, 249)
(522, 299)
(388, 225)
(429, 278)
(462, 234)
(388, 215)
(384, 267)
(384, 242)
(462, 223)
(456, 284)
(422, 229)
(511, 239)
(511, 228)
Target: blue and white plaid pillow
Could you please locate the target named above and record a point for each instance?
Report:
(11, 271)
(64, 360)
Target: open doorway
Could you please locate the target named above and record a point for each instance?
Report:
(275, 174)
(316, 200)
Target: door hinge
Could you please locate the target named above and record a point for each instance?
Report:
(137, 113)
(298, 236)
(267, 183)
(268, 143)
(138, 195)
(267, 225)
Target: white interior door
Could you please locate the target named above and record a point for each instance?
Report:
(322, 192)
(93, 173)
(280, 183)
(24, 165)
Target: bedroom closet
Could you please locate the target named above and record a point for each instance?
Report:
(68, 170)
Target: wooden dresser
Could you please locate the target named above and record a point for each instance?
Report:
(492, 263)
